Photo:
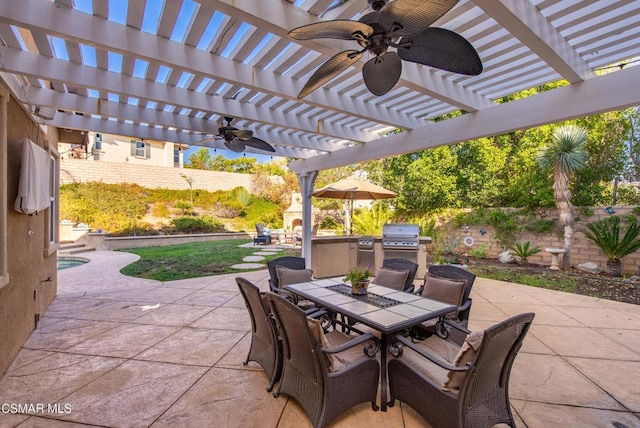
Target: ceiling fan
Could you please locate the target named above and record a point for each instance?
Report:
(236, 139)
(401, 24)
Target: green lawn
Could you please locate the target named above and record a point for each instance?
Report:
(193, 260)
(199, 259)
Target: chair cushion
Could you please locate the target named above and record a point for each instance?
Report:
(333, 339)
(346, 357)
(437, 347)
(391, 278)
(466, 354)
(444, 289)
(288, 276)
(315, 326)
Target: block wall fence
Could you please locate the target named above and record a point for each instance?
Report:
(582, 249)
(84, 170)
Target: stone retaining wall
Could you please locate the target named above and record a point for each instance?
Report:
(582, 250)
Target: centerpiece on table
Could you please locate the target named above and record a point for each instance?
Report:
(359, 280)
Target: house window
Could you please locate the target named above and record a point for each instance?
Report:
(54, 190)
(140, 149)
(97, 142)
(4, 272)
(176, 157)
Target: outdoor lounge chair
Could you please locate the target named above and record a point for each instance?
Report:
(261, 236)
(403, 264)
(266, 348)
(325, 374)
(452, 386)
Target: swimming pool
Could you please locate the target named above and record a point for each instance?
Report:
(69, 262)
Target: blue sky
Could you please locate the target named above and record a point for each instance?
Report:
(152, 14)
(227, 154)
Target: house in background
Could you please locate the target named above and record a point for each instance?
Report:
(102, 147)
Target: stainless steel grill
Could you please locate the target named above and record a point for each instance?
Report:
(366, 252)
(401, 241)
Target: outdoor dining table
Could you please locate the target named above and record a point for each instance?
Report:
(384, 309)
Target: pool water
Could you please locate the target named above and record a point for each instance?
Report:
(69, 262)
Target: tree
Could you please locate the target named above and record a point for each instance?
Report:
(564, 155)
(370, 221)
(200, 159)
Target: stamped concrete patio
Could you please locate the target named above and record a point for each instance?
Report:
(122, 352)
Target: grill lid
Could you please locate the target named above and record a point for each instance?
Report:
(400, 236)
(400, 230)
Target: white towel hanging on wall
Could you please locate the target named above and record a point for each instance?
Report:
(35, 175)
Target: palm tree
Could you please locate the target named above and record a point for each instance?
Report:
(564, 155)
(606, 235)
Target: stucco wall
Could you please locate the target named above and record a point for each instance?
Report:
(582, 250)
(27, 294)
(85, 170)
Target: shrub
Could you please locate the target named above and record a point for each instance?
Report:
(190, 224)
(227, 209)
(540, 226)
(185, 207)
(136, 229)
(241, 195)
(524, 251)
(160, 210)
(263, 211)
(480, 251)
(605, 234)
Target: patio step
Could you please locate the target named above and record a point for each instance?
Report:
(68, 249)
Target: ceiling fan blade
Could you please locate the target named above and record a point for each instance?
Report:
(342, 29)
(242, 134)
(382, 73)
(413, 16)
(235, 146)
(330, 69)
(443, 49)
(259, 144)
(332, 6)
(205, 140)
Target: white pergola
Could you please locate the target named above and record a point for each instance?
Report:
(169, 70)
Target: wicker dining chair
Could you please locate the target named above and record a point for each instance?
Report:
(265, 348)
(456, 273)
(289, 270)
(290, 262)
(403, 264)
(452, 386)
(325, 374)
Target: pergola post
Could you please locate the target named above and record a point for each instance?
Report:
(307, 181)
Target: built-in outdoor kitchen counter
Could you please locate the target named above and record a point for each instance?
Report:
(334, 255)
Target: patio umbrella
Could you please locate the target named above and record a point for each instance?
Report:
(351, 189)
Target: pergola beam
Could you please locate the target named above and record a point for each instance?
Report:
(601, 94)
(527, 24)
(29, 64)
